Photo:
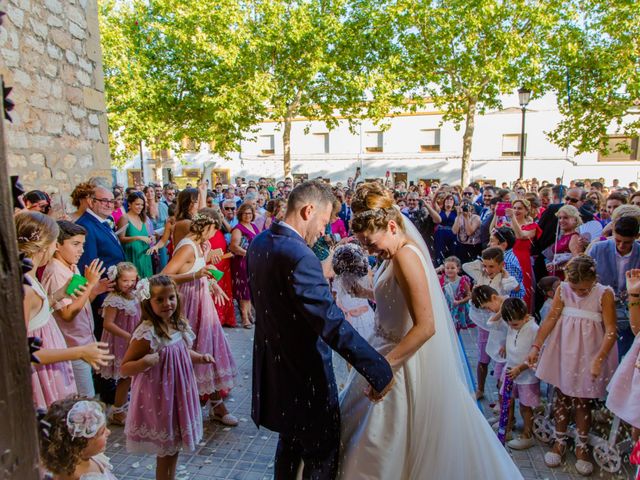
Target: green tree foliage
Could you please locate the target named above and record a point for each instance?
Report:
(592, 64)
(173, 70)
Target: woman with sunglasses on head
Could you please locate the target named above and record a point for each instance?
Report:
(37, 201)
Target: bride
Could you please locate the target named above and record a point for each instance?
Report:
(428, 426)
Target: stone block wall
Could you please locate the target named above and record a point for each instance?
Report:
(50, 54)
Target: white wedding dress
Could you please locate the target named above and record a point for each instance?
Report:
(429, 426)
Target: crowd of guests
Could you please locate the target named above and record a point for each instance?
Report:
(129, 295)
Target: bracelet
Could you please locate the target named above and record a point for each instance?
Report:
(634, 304)
(537, 347)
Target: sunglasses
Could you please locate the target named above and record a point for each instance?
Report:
(571, 199)
(229, 209)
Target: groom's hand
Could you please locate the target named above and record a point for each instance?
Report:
(377, 396)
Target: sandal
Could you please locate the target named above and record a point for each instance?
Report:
(553, 459)
(118, 415)
(248, 326)
(584, 467)
(226, 419)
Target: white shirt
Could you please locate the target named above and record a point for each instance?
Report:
(497, 339)
(518, 345)
(285, 224)
(622, 265)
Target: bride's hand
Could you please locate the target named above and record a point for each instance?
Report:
(359, 291)
(377, 396)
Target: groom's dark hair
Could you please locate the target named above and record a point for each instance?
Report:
(311, 192)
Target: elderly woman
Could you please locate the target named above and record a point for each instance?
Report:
(568, 242)
(241, 236)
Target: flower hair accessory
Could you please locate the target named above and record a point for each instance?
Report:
(34, 237)
(112, 273)
(142, 290)
(85, 419)
(370, 213)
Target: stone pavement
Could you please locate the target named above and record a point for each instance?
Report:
(246, 453)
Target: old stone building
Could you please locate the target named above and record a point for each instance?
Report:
(50, 54)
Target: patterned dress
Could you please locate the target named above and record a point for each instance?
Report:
(127, 318)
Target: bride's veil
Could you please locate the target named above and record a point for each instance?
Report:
(441, 313)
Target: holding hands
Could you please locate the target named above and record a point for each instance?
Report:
(374, 396)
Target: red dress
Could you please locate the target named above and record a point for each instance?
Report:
(225, 312)
(522, 250)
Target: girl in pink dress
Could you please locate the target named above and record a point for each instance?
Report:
(580, 354)
(165, 414)
(73, 437)
(121, 314)
(188, 268)
(51, 379)
(624, 389)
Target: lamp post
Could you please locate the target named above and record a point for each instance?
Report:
(524, 95)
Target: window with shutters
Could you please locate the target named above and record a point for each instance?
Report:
(430, 140)
(266, 144)
(373, 141)
(511, 145)
(620, 149)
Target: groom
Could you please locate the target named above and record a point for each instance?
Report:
(297, 325)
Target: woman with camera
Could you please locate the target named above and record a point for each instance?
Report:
(467, 230)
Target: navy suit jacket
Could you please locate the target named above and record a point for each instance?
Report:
(297, 325)
(100, 242)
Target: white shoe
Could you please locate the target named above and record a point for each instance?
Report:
(584, 468)
(227, 419)
(521, 443)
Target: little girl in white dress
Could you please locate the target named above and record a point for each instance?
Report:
(351, 267)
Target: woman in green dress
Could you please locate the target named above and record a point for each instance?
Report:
(134, 235)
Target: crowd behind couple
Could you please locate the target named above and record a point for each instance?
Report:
(506, 256)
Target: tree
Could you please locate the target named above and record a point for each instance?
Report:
(173, 71)
(307, 49)
(459, 55)
(592, 64)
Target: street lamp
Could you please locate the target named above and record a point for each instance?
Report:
(524, 95)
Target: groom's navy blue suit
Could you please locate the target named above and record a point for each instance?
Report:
(297, 326)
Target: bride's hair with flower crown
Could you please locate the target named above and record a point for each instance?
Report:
(373, 207)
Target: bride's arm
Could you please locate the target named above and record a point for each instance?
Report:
(412, 278)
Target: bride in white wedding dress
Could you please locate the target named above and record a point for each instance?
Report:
(428, 427)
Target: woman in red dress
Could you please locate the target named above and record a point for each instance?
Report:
(526, 231)
(226, 312)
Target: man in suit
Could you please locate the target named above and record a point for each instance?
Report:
(297, 325)
(100, 242)
(614, 258)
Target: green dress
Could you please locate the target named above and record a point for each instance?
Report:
(135, 252)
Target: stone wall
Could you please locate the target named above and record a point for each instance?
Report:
(50, 54)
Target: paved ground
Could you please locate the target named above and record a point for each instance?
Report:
(246, 453)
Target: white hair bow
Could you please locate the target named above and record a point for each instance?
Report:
(85, 419)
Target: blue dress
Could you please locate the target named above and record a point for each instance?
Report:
(444, 239)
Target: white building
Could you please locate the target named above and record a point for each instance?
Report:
(414, 146)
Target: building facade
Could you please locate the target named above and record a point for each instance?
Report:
(50, 54)
(411, 146)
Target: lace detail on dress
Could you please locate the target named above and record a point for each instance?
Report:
(145, 331)
(142, 439)
(381, 332)
(129, 305)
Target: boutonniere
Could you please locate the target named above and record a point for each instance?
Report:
(112, 224)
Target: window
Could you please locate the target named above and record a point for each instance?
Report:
(266, 144)
(511, 145)
(430, 140)
(220, 175)
(134, 177)
(320, 142)
(373, 142)
(616, 153)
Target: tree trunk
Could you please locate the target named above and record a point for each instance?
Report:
(286, 147)
(18, 439)
(292, 110)
(467, 141)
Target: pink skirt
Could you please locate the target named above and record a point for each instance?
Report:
(117, 345)
(483, 338)
(164, 412)
(565, 361)
(624, 388)
(54, 381)
(198, 307)
(527, 394)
